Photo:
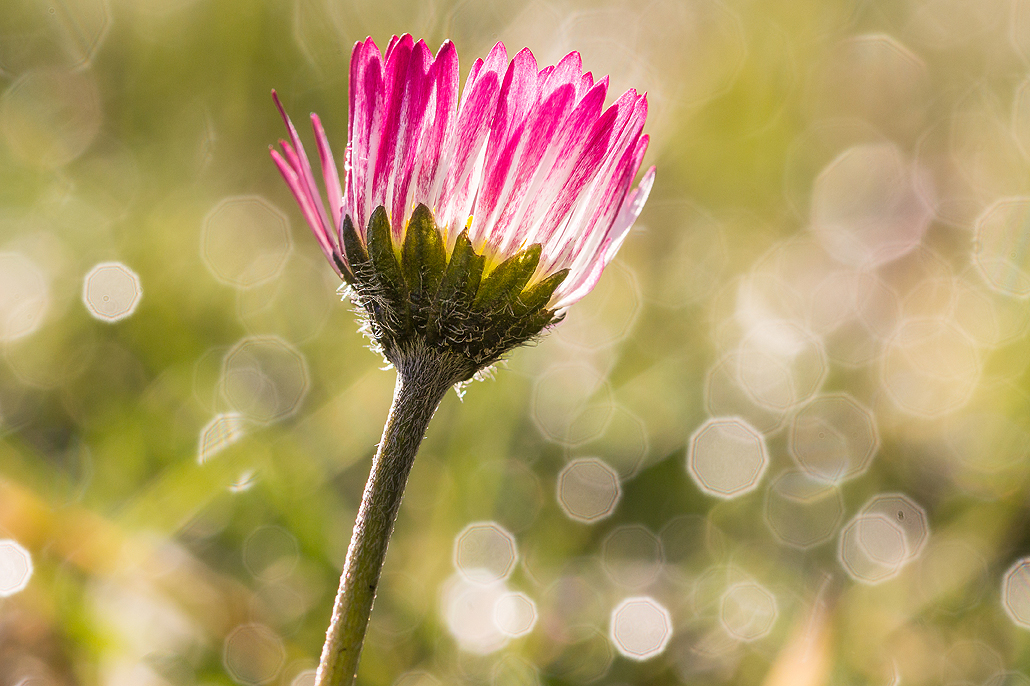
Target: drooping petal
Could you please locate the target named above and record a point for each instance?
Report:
(303, 167)
(310, 213)
(631, 206)
(330, 174)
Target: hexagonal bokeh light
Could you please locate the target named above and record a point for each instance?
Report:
(871, 205)
(264, 378)
(747, 611)
(1001, 247)
(514, 670)
(469, 611)
(588, 489)
(515, 614)
(886, 534)
(833, 438)
(245, 241)
(15, 567)
(802, 512)
(24, 296)
(779, 363)
(485, 552)
(304, 678)
(571, 403)
(416, 678)
(219, 433)
(726, 457)
(253, 654)
(632, 556)
(1015, 592)
(930, 367)
(111, 291)
(908, 515)
(50, 116)
(640, 628)
(270, 553)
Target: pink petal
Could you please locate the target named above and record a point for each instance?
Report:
(599, 153)
(563, 297)
(307, 209)
(586, 82)
(568, 71)
(605, 205)
(388, 124)
(443, 80)
(417, 89)
(631, 209)
(475, 113)
(578, 151)
(517, 97)
(599, 207)
(329, 172)
(541, 127)
(302, 166)
(366, 98)
(392, 44)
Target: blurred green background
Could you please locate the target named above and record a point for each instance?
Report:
(823, 308)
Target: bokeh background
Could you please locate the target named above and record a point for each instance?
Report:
(784, 442)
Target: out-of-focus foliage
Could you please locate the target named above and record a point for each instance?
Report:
(786, 441)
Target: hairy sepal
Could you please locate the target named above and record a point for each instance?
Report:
(425, 298)
(389, 279)
(453, 301)
(504, 284)
(423, 262)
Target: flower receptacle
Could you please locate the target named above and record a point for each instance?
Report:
(429, 299)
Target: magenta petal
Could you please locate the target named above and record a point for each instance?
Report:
(478, 102)
(367, 104)
(387, 126)
(529, 173)
(392, 44)
(443, 80)
(609, 200)
(631, 208)
(586, 82)
(574, 292)
(585, 235)
(409, 130)
(568, 71)
(307, 209)
(329, 173)
(520, 155)
(576, 157)
(517, 96)
(302, 167)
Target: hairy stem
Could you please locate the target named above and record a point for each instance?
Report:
(423, 378)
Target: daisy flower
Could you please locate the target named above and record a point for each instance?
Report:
(467, 222)
(470, 222)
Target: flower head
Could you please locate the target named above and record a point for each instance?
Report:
(470, 223)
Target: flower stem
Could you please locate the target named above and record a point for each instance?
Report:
(423, 378)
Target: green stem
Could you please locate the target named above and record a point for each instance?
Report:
(423, 378)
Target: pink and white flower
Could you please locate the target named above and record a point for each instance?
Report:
(523, 156)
